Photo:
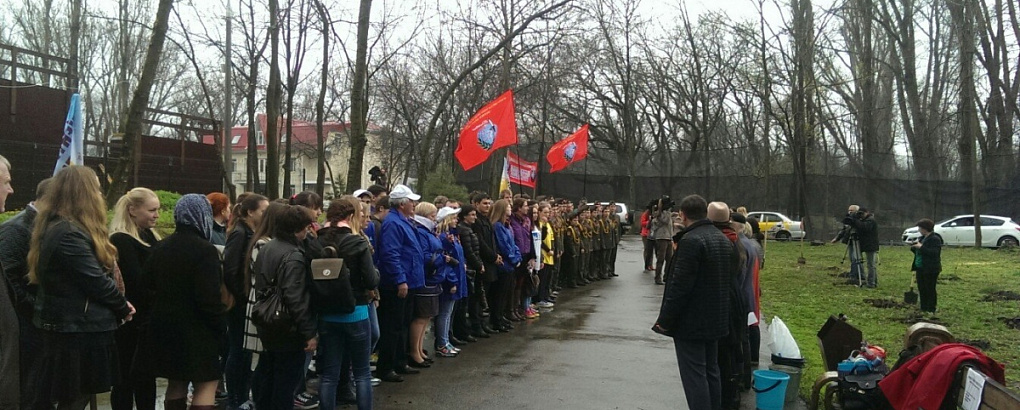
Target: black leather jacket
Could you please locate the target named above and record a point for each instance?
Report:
(285, 262)
(75, 294)
(235, 255)
(354, 249)
(469, 240)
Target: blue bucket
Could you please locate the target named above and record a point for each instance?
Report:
(770, 387)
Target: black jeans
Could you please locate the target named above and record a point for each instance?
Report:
(544, 276)
(649, 251)
(926, 281)
(133, 387)
(394, 324)
(498, 300)
(458, 323)
(279, 375)
(698, 361)
(238, 369)
(474, 301)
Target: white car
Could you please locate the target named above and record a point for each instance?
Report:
(778, 226)
(621, 212)
(996, 231)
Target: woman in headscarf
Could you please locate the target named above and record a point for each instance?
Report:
(189, 314)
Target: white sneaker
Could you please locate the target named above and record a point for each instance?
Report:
(545, 304)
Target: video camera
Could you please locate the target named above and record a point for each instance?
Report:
(850, 217)
(667, 202)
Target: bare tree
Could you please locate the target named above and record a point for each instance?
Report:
(273, 101)
(132, 127)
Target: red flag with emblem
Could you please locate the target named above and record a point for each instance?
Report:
(491, 128)
(569, 150)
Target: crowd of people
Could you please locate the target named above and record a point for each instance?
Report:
(244, 294)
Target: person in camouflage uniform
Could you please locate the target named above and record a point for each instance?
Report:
(571, 251)
(615, 235)
(586, 230)
(597, 265)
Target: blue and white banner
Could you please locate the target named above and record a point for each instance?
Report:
(72, 144)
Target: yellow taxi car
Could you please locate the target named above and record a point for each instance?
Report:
(778, 226)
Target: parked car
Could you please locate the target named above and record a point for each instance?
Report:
(626, 219)
(778, 226)
(996, 231)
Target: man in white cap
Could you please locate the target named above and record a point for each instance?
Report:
(364, 196)
(401, 267)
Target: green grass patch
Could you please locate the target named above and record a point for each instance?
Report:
(804, 296)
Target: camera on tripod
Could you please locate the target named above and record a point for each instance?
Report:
(850, 217)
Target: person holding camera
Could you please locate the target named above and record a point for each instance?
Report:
(662, 233)
(927, 263)
(866, 229)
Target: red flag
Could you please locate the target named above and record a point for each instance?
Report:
(521, 172)
(569, 150)
(491, 128)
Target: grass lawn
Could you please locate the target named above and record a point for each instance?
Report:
(805, 295)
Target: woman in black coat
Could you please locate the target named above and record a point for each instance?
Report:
(131, 232)
(189, 315)
(281, 264)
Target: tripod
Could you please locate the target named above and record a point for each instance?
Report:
(853, 250)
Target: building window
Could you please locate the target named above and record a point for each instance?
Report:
(259, 138)
(283, 138)
(233, 165)
(235, 140)
(262, 165)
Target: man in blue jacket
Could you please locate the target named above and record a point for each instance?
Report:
(401, 267)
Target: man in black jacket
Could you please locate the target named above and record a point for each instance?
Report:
(15, 238)
(695, 305)
(491, 260)
(10, 392)
(867, 233)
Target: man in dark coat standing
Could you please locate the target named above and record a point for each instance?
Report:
(10, 374)
(696, 302)
(867, 232)
(15, 238)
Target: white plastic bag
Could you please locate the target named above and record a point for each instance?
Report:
(782, 343)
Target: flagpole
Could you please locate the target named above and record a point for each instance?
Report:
(584, 189)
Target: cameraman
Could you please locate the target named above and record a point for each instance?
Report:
(662, 233)
(864, 225)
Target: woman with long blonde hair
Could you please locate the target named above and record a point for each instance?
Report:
(132, 233)
(507, 249)
(78, 306)
(454, 280)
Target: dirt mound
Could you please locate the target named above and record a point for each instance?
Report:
(1001, 295)
(978, 343)
(884, 303)
(1011, 322)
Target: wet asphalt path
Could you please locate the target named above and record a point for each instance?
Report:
(594, 350)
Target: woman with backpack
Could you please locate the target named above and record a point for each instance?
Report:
(281, 273)
(346, 336)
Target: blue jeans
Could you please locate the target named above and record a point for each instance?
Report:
(373, 321)
(338, 341)
(443, 321)
(277, 377)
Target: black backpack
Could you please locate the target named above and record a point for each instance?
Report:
(330, 285)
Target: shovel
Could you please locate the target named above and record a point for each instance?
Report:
(910, 297)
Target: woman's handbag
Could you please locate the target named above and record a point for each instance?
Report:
(269, 314)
